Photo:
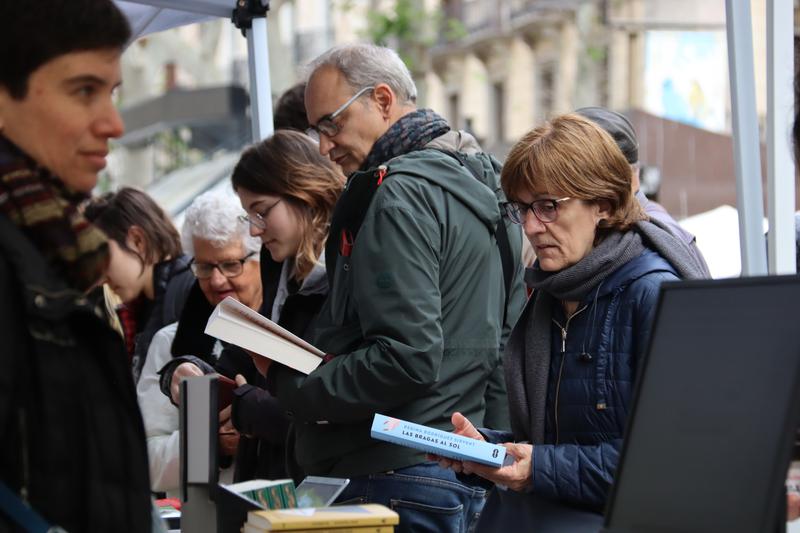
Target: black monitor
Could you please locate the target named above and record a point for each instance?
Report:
(711, 431)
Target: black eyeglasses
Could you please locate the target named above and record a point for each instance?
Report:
(229, 269)
(326, 124)
(259, 220)
(545, 210)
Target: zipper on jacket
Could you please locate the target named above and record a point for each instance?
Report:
(24, 458)
(561, 366)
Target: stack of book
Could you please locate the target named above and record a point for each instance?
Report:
(276, 494)
(367, 518)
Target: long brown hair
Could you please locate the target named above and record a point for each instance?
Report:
(288, 164)
(573, 156)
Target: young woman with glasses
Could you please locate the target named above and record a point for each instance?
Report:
(288, 191)
(572, 357)
(147, 269)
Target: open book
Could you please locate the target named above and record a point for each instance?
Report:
(237, 324)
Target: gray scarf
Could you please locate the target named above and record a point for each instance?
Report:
(527, 366)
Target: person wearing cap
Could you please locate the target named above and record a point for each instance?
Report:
(621, 130)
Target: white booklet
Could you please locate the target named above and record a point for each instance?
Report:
(237, 324)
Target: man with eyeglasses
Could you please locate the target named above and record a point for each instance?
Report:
(415, 317)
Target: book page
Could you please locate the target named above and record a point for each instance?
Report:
(234, 307)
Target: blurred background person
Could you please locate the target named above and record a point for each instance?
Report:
(571, 360)
(290, 110)
(148, 269)
(288, 191)
(621, 130)
(225, 261)
(72, 446)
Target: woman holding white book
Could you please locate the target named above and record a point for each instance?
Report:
(225, 262)
(288, 191)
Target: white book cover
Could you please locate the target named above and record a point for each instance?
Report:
(235, 323)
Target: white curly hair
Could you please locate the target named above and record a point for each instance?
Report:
(214, 216)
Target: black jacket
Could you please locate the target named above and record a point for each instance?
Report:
(72, 435)
(172, 280)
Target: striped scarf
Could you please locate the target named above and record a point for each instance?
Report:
(47, 212)
(410, 133)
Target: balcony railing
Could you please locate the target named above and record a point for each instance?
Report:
(492, 15)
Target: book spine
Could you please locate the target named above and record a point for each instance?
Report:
(337, 524)
(437, 442)
(362, 529)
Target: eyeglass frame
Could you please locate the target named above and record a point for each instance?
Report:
(327, 121)
(193, 266)
(259, 220)
(520, 208)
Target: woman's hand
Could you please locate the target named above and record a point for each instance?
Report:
(516, 476)
(184, 370)
(240, 380)
(461, 426)
(228, 436)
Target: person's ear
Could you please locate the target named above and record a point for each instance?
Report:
(385, 99)
(137, 241)
(603, 211)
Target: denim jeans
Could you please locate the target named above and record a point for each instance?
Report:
(427, 498)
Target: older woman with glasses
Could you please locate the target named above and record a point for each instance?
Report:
(225, 261)
(572, 357)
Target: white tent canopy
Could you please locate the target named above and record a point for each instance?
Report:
(148, 16)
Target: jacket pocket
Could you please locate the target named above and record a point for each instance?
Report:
(339, 296)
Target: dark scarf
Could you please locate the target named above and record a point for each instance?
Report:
(409, 134)
(527, 370)
(47, 212)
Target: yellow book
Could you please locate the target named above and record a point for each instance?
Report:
(366, 529)
(250, 528)
(316, 518)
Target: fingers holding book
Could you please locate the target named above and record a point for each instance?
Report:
(184, 370)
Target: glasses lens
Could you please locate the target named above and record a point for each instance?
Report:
(254, 221)
(545, 210)
(230, 269)
(514, 212)
(202, 270)
(327, 127)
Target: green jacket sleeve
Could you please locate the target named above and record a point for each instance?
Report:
(395, 289)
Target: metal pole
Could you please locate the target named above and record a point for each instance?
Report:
(780, 165)
(745, 138)
(260, 84)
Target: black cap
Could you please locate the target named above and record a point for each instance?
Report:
(619, 127)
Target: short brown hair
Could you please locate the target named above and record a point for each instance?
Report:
(116, 212)
(573, 156)
(290, 111)
(288, 164)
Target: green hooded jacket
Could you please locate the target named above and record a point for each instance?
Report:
(413, 316)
